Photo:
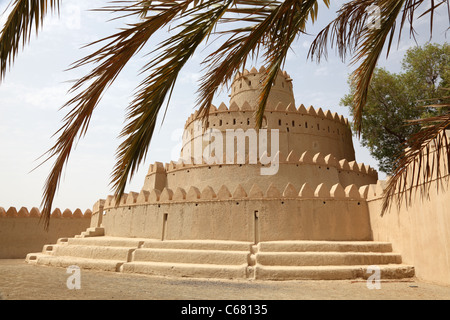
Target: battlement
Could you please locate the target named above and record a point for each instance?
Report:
(299, 129)
(307, 157)
(194, 194)
(23, 212)
(279, 108)
(247, 87)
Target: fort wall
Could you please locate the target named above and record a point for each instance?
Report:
(22, 231)
(308, 167)
(254, 214)
(299, 129)
(420, 227)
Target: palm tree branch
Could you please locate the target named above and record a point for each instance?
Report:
(25, 16)
(111, 59)
(163, 70)
(288, 25)
(233, 53)
(349, 33)
(426, 159)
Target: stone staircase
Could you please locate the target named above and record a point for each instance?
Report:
(328, 260)
(277, 260)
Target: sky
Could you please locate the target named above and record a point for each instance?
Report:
(36, 87)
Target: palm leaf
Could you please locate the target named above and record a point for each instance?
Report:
(111, 59)
(25, 16)
(290, 22)
(156, 88)
(273, 27)
(350, 34)
(426, 159)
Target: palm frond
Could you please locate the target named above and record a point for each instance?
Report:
(111, 59)
(426, 159)
(274, 25)
(25, 16)
(233, 53)
(350, 34)
(157, 87)
(289, 23)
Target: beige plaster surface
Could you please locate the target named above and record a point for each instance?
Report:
(22, 235)
(420, 231)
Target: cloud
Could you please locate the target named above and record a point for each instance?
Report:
(47, 98)
(321, 71)
(190, 78)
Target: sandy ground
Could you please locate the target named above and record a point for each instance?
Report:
(22, 281)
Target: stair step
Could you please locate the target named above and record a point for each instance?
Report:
(83, 263)
(93, 252)
(274, 260)
(325, 258)
(198, 245)
(94, 232)
(331, 272)
(32, 258)
(186, 270)
(325, 246)
(48, 248)
(107, 242)
(219, 257)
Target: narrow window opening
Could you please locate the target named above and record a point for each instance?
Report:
(256, 227)
(164, 226)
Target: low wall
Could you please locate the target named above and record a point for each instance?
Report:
(22, 231)
(246, 215)
(293, 168)
(420, 232)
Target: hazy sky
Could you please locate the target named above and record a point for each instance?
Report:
(36, 86)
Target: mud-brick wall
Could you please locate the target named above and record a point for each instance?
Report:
(22, 231)
(419, 231)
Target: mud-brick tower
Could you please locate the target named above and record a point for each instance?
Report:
(219, 216)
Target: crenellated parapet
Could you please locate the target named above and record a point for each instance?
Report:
(242, 116)
(306, 157)
(34, 212)
(297, 128)
(193, 194)
(324, 166)
(247, 86)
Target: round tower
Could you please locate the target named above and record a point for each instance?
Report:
(247, 87)
(300, 129)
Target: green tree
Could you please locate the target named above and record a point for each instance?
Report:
(266, 27)
(395, 99)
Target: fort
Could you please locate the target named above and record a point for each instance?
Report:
(215, 215)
